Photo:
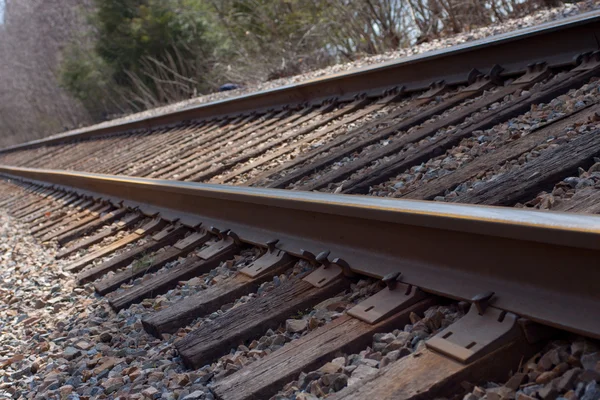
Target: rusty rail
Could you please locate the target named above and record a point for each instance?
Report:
(555, 43)
(541, 265)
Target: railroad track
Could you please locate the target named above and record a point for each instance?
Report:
(417, 297)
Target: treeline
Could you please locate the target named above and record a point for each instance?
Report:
(144, 53)
(32, 39)
(119, 56)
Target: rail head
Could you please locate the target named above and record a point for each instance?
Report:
(541, 265)
(556, 43)
(554, 228)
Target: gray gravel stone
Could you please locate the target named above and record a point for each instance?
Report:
(197, 395)
(592, 391)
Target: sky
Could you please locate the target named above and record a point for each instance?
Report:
(1, 11)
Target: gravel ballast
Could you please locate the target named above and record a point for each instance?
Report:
(60, 341)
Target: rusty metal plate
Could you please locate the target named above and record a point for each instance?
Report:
(150, 226)
(436, 89)
(386, 302)
(130, 219)
(474, 335)
(216, 248)
(479, 85)
(589, 62)
(534, 74)
(266, 262)
(81, 203)
(165, 232)
(100, 211)
(393, 94)
(194, 239)
(323, 275)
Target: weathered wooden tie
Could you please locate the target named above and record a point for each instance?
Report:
(357, 111)
(157, 261)
(346, 334)
(544, 93)
(69, 214)
(250, 126)
(9, 197)
(203, 261)
(42, 204)
(126, 222)
(203, 167)
(585, 200)
(406, 117)
(22, 200)
(211, 340)
(246, 281)
(339, 125)
(148, 228)
(91, 226)
(81, 220)
(271, 141)
(31, 200)
(512, 150)
(539, 174)
(48, 208)
(166, 237)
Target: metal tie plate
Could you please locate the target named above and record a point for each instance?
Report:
(266, 262)
(534, 73)
(216, 248)
(195, 238)
(475, 335)
(392, 95)
(100, 211)
(589, 61)
(479, 85)
(155, 223)
(323, 275)
(128, 219)
(436, 89)
(386, 302)
(164, 233)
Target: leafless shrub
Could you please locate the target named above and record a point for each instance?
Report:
(32, 104)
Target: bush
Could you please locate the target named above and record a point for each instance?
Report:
(144, 53)
(140, 54)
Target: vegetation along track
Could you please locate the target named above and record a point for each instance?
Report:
(412, 299)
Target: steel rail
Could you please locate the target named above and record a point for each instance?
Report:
(541, 265)
(556, 43)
